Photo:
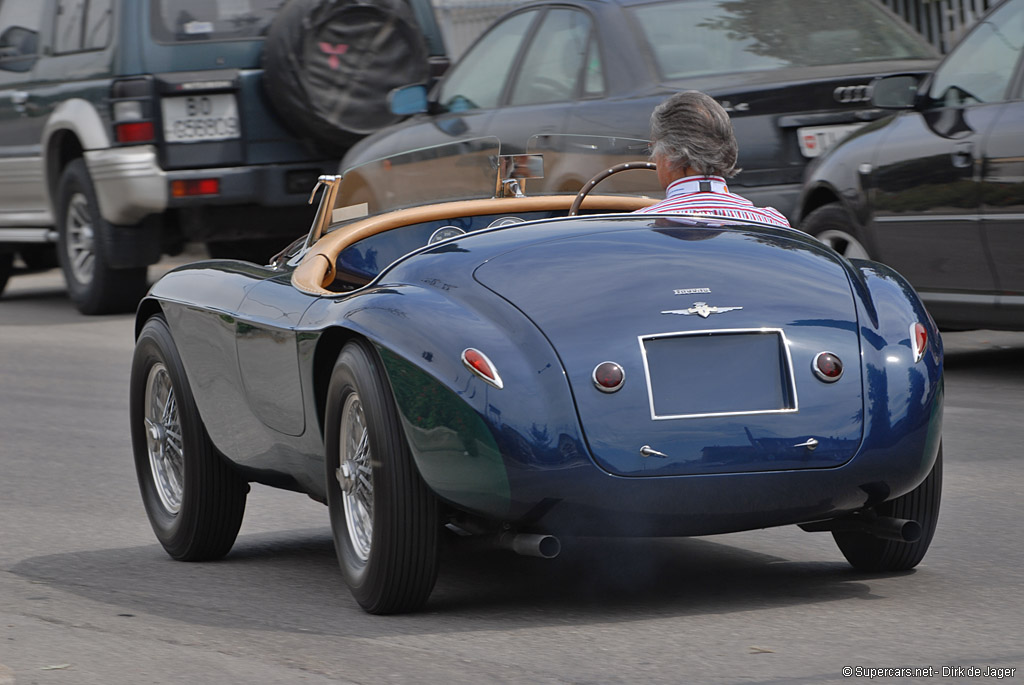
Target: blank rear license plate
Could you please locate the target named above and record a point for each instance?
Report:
(719, 373)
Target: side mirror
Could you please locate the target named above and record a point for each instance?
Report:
(408, 100)
(18, 48)
(895, 92)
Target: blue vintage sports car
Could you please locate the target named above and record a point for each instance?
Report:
(453, 346)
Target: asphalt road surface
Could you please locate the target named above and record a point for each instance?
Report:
(87, 596)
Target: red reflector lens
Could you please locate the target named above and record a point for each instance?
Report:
(196, 186)
(478, 362)
(609, 376)
(919, 340)
(135, 132)
(828, 367)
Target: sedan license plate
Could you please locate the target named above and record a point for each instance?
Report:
(817, 140)
(198, 118)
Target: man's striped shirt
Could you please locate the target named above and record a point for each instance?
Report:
(709, 195)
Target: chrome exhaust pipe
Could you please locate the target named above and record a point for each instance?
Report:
(886, 527)
(530, 544)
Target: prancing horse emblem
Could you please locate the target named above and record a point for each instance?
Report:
(701, 309)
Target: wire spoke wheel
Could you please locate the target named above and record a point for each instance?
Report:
(384, 519)
(193, 497)
(355, 476)
(163, 438)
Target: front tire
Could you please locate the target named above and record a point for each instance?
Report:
(869, 553)
(832, 225)
(83, 244)
(193, 498)
(384, 519)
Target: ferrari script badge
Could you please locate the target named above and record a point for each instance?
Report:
(701, 309)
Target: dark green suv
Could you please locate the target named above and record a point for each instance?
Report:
(130, 127)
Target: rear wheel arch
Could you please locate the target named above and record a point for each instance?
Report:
(331, 342)
(73, 127)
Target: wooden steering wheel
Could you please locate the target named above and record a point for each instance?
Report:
(589, 185)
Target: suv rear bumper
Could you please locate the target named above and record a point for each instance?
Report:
(131, 185)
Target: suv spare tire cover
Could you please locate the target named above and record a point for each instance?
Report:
(330, 64)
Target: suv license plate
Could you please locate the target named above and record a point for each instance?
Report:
(197, 118)
(817, 140)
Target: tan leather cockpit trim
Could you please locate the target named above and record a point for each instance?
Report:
(316, 271)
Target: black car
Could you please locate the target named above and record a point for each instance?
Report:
(794, 75)
(936, 190)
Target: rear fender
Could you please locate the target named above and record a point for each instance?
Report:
(471, 441)
(903, 398)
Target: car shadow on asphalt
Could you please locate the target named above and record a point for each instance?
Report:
(289, 581)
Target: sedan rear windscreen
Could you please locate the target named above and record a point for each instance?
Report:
(702, 37)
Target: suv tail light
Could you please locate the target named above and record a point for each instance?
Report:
(132, 111)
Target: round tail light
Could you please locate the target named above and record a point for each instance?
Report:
(609, 376)
(827, 367)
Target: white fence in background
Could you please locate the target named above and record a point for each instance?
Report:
(942, 22)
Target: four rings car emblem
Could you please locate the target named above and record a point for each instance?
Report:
(849, 94)
(701, 309)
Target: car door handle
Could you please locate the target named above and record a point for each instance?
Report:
(963, 155)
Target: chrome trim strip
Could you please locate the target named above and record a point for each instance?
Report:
(719, 331)
(929, 218)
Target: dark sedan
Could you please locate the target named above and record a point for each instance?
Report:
(936, 190)
(794, 75)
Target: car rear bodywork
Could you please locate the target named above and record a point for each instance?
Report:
(692, 311)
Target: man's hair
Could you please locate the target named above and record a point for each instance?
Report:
(692, 129)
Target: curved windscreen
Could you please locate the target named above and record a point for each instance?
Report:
(464, 170)
(473, 169)
(572, 160)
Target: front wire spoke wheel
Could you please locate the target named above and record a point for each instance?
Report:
(193, 496)
(356, 476)
(163, 429)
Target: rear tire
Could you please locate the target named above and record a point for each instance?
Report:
(384, 519)
(869, 553)
(832, 225)
(83, 243)
(194, 499)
